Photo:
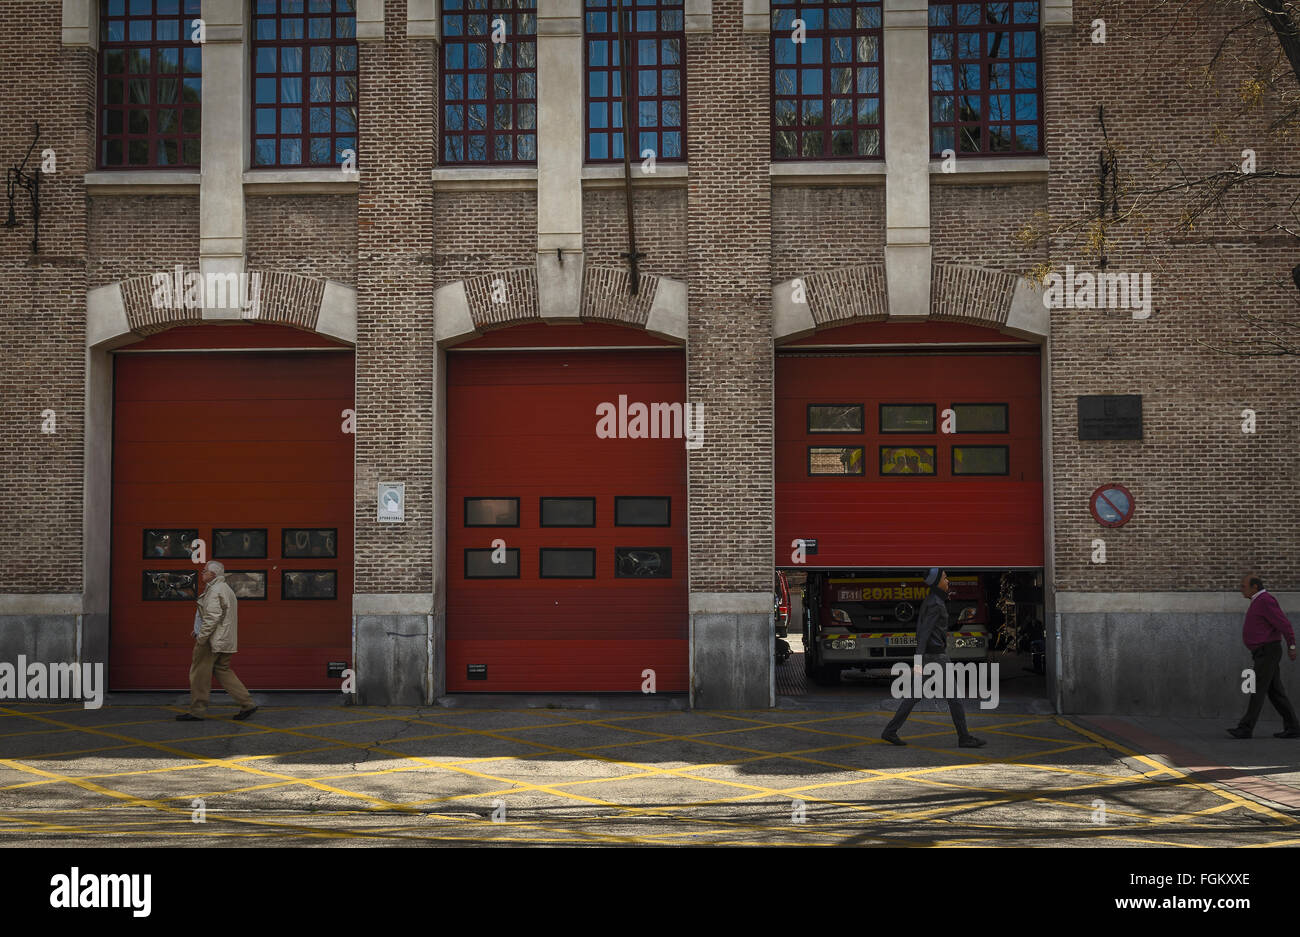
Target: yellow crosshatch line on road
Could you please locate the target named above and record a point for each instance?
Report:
(1003, 796)
(759, 724)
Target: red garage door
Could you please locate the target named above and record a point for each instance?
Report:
(869, 465)
(245, 451)
(591, 532)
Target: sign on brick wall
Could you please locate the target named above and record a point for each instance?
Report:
(1110, 416)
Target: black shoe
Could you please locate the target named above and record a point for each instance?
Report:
(245, 713)
(188, 717)
(892, 738)
(1287, 734)
(1237, 732)
(971, 742)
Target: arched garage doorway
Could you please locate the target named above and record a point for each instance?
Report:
(587, 588)
(234, 435)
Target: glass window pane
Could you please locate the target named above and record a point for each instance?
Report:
(836, 460)
(568, 512)
(643, 563)
(907, 460)
(567, 563)
(907, 418)
(646, 511)
(479, 564)
(835, 418)
(980, 460)
(980, 417)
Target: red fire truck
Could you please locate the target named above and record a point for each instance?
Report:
(867, 620)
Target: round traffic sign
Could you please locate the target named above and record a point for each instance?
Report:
(1112, 505)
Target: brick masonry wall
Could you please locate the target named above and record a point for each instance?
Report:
(42, 329)
(311, 235)
(977, 225)
(129, 236)
(660, 215)
(1211, 501)
(820, 228)
(395, 347)
(478, 233)
(729, 346)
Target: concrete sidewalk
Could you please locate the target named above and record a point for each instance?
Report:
(1262, 768)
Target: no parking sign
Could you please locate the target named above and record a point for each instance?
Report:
(1112, 505)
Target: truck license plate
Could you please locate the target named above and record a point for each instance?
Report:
(901, 641)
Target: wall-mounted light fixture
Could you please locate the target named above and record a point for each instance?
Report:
(17, 177)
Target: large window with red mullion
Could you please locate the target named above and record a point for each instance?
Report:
(986, 94)
(150, 84)
(304, 82)
(656, 40)
(827, 76)
(489, 81)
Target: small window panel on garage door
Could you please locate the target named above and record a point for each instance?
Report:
(643, 562)
(481, 564)
(297, 542)
(907, 460)
(567, 512)
(566, 563)
(836, 460)
(980, 418)
(836, 418)
(642, 512)
(247, 583)
(491, 512)
(309, 584)
(981, 460)
(907, 418)
(231, 543)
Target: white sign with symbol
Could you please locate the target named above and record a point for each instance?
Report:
(392, 502)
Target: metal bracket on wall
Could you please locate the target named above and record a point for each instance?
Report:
(17, 177)
(1107, 184)
(632, 255)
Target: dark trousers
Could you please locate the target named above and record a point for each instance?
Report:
(1268, 678)
(954, 705)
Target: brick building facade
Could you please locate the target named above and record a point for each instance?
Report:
(418, 254)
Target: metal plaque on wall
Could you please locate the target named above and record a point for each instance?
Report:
(1110, 416)
(392, 502)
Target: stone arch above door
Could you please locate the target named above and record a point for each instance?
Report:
(958, 293)
(122, 311)
(467, 308)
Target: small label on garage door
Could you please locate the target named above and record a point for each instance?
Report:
(809, 545)
(335, 668)
(476, 671)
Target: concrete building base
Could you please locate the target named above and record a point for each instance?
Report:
(43, 638)
(1160, 654)
(731, 651)
(392, 659)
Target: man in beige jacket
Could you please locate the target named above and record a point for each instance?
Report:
(215, 642)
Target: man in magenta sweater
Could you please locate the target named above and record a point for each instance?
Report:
(1264, 625)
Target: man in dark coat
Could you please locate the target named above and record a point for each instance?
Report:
(932, 645)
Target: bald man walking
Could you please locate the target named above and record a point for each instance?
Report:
(216, 638)
(1265, 625)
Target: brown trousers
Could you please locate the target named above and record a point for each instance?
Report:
(203, 667)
